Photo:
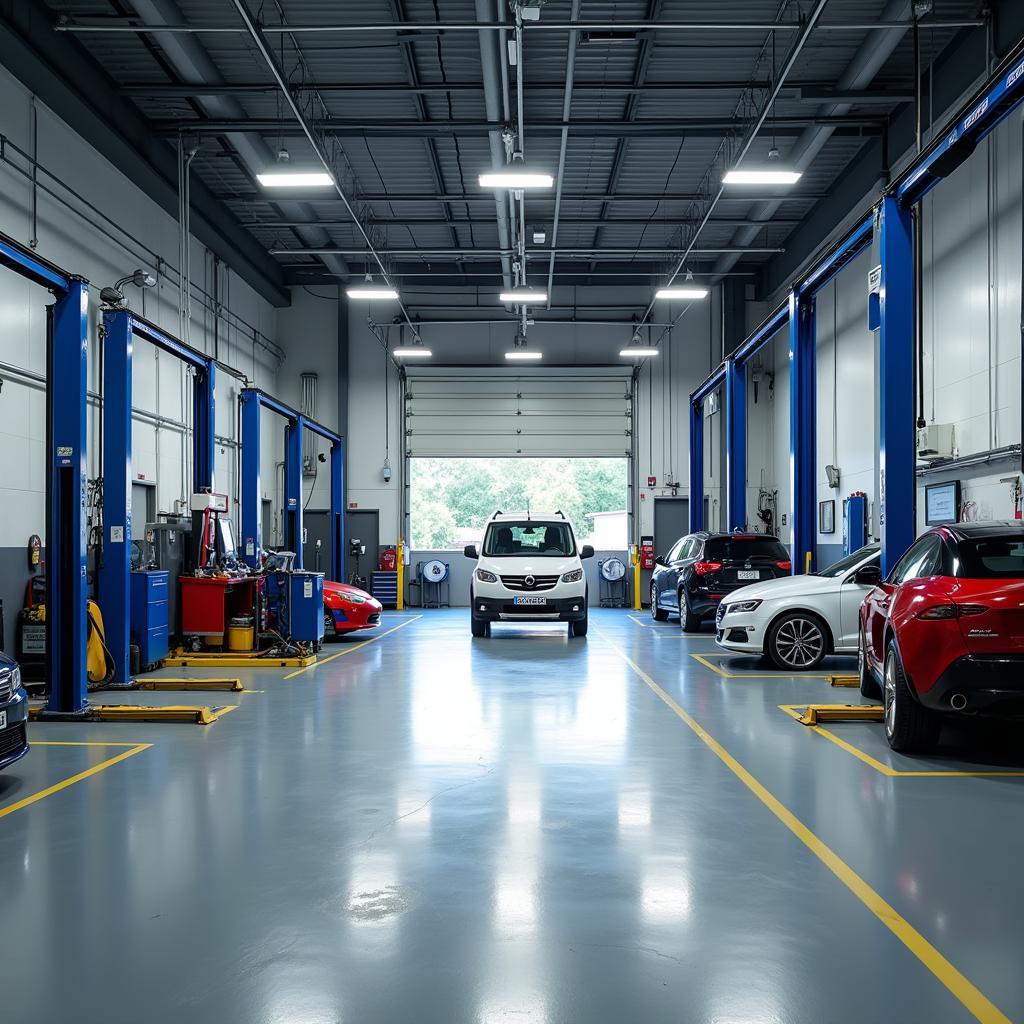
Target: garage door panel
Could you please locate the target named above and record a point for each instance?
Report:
(543, 415)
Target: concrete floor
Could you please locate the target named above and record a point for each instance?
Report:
(430, 828)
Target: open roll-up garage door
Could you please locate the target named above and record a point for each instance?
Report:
(543, 413)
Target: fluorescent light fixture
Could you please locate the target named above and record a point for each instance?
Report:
(371, 293)
(516, 179)
(762, 177)
(520, 353)
(681, 293)
(295, 179)
(523, 295)
(412, 352)
(639, 351)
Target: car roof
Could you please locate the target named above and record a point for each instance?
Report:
(736, 536)
(990, 528)
(540, 517)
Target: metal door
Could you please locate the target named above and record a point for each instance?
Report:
(316, 525)
(362, 525)
(671, 521)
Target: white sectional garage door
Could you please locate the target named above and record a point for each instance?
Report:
(546, 413)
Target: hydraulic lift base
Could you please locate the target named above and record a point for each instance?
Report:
(843, 680)
(815, 714)
(134, 713)
(183, 659)
(234, 685)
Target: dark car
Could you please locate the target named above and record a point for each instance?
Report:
(944, 633)
(13, 713)
(703, 567)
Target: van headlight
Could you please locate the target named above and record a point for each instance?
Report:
(486, 577)
(572, 577)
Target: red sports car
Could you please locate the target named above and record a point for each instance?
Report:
(347, 609)
(944, 633)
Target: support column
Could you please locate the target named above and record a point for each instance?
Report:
(116, 543)
(66, 592)
(337, 526)
(203, 428)
(736, 445)
(252, 496)
(896, 484)
(696, 466)
(802, 455)
(293, 488)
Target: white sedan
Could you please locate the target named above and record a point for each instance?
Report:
(798, 620)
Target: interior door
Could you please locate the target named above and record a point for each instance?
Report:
(671, 521)
(316, 523)
(362, 525)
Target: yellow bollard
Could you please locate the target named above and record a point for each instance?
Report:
(400, 566)
(634, 557)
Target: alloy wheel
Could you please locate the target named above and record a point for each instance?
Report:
(890, 696)
(799, 642)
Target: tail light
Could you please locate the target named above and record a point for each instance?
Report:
(703, 568)
(952, 611)
(787, 566)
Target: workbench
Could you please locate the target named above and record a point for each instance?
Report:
(208, 603)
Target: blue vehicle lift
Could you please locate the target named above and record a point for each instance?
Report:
(120, 329)
(66, 473)
(254, 401)
(890, 223)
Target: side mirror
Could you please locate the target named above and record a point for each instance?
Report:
(660, 560)
(867, 576)
(587, 551)
(470, 551)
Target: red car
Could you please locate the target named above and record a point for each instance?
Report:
(944, 634)
(347, 609)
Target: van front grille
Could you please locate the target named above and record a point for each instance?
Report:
(519, 583)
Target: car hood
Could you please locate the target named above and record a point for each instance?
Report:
(342, 590)
(513, 566)
(785, 587)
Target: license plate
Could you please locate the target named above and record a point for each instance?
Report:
(529, 600)
(3, 720)
(748, 574)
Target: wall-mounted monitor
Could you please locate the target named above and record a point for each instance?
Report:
(942, 503)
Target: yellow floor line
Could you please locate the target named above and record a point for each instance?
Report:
(703, 659)
(94, 770)
(958, 985)
(354, 647)
(794, 710)
(80, 743)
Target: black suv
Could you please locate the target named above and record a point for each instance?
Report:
(703, 567)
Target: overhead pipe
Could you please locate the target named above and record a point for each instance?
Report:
(376, 253)
(570, 73)
(191, 61)
(869, 59)
(489, 66)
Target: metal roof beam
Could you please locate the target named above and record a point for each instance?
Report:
(533, 253)
(729, 222)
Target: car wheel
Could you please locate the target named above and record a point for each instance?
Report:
(578, 628)
(479, 627)
(909, 728)
(689, 622)
(658, 614)
(330, 633)
(868, 683)
(797, 641)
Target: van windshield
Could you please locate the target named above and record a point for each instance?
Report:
(539, 539)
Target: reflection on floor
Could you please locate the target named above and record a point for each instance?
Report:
(433, 828)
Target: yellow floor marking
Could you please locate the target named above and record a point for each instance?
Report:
(957, 984)
(136, 748)
(354, 647)
(794, 711)
(221, 712)
(703, 659)
(80, 743)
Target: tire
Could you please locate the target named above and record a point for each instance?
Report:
(579, 628)
(658, 614)
(909, 728)
(330, 633)
(479, 627)
(797, 641)
(868, 683)
(688, 622)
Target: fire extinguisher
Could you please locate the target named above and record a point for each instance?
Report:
(646, 552)
(389, 560)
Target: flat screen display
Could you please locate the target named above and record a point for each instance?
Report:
(942, 503)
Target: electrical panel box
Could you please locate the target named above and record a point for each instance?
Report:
(306, 607)
(936, 441)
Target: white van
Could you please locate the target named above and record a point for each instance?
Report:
(529, 569)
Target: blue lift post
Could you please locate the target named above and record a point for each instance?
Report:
(802, 429)
(67, 342)
(736, 445)
(253, 402)
(697, 447)
(121, 328)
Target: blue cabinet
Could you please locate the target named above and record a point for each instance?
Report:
(149, 618)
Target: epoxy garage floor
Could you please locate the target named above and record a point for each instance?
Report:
(431, 828)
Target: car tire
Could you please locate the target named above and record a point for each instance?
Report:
(797, 641)
(578, 628)
(688, 622)
(658, 614)
(868, 683)
(479, 627)
(330, 633)
(909, 728)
